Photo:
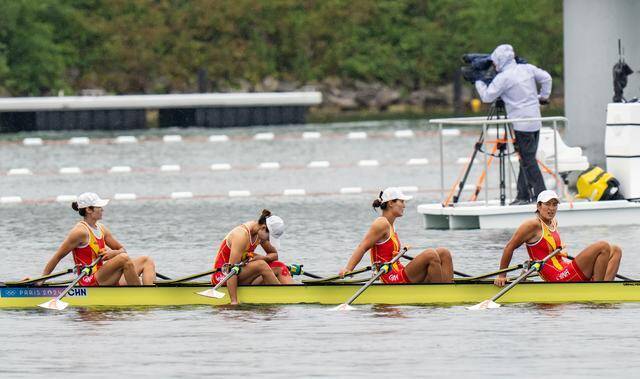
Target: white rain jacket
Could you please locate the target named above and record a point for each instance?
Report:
(516, 85)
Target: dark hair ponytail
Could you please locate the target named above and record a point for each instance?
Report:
(377, 203)
(263, 216)
(81, 211)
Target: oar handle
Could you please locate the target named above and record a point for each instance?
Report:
(164, 277)
(490, 274)
(41, 278)
(186, 278)
(335, 277)
(298, 269)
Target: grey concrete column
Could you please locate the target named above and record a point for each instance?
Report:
(591, 32)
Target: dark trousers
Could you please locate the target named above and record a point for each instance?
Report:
(530, 181)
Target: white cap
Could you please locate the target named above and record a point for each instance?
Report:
(90, 199)
(547, 195)
(276, 230)
(393, 193)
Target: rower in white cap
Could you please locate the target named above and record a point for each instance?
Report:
(433, 265)
(89, 239)
(239, 246)
(598, 261)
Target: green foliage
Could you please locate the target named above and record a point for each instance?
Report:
(158, 46)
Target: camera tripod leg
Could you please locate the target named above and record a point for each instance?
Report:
(461, 183)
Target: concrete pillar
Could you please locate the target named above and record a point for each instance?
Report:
(591, 32)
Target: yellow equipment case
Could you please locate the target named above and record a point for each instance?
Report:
(596, 184)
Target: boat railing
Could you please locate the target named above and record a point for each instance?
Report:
(485, 124)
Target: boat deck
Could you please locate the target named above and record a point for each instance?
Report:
(481, 215)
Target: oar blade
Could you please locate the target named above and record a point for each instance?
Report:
(211, 293)
(343, 307)
(54, 304)
(487, 304)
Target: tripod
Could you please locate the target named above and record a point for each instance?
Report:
(500, 150)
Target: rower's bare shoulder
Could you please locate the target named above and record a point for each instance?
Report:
(77, 234)
(380, 223)
(78, 229)
(530, 224)
(238, 234)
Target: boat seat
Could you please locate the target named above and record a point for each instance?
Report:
(569, 158)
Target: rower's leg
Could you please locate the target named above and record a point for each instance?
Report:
(283, 279)
(425, 267)
(119, 269)
(257, 269)
(111, 271)
(614, 262)
(146, 267)
(129, 275)
(593, 260)
(446, 262)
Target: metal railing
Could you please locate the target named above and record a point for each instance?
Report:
(472, 121)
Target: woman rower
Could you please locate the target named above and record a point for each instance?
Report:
(89, 239)
(433, 265)
(598, 261)
(239, 246)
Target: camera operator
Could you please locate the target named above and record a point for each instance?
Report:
(516, 85)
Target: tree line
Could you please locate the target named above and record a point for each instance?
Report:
(159, 46)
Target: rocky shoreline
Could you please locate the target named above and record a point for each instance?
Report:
(348, 96)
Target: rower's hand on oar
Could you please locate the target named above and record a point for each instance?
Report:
(500, 280)
(343, 272)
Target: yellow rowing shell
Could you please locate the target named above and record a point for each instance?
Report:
(409, 294)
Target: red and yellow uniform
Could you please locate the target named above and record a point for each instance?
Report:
(557, 269)
(85, 255)
(384, 252)
(224, 253)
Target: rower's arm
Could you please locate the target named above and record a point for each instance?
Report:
(111, 241)
(76, 237)
(524, 233)
(270, 250)
(238, 242)
(376, 233)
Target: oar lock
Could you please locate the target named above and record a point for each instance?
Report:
(295, 269)
(380, 266)
(79, 269)
(536, 265)
(228, 267)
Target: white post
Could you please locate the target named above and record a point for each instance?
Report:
(555, 154)
(486, 165)
(441, 163)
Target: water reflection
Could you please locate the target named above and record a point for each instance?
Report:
(97, 315)
(387, 311)
(247, 313)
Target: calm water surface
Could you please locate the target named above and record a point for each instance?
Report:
(571, 340)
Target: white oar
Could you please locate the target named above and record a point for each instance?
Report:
(213, 292)
(383, 270)
(536, 266)
(57, 303)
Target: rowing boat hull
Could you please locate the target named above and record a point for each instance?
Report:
(459, 293)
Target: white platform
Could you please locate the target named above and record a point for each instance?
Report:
(477, 215)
